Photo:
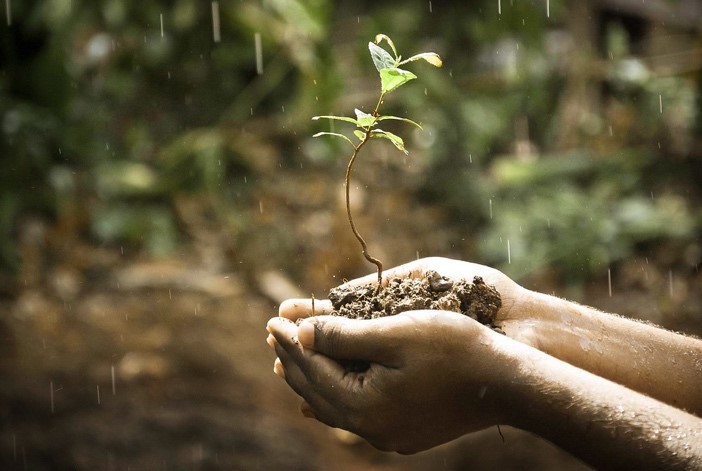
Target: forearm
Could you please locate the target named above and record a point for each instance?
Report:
(598, 421)
(653, 361)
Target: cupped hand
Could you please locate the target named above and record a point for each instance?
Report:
(433, 376)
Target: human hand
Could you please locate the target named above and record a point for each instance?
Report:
(433, 375)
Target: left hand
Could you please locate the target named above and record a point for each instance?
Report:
(433, 376)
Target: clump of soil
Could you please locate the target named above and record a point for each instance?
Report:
(476, 300)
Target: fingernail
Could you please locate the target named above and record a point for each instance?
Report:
(305, 334)
(270, 340)
(307, 411)
(278, 368)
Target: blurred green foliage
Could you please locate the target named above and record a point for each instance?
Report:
(110, 110)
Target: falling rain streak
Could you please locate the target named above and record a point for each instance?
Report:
(216, 34)
(51, 395)
(161, 19)
(609, 281)
(509, 253)
(259, 53)
(8, 12)
(548, 8)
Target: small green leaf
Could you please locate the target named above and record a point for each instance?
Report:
(364, 120)
(394, 138)
(381, 37)
(431, 57)
(381, 58)
(397, 118)
(393, 78)
(360, 134)
(338, 118)
(335, 134)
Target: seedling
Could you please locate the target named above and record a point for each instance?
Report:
(392, 77)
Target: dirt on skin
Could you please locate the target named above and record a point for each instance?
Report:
(477, 300)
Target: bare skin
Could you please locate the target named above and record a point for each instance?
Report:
(554, 374)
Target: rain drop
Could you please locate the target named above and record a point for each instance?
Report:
(548, 8)
(660, 103)
(216, 34)
(8, 12)
(51, 395)
(112, 373)
(609, 281)
(430, 8)
(509, 253)
(161, 18)
(259, 53)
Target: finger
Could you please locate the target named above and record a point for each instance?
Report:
(320, 381)
(295, 309)
(278, 368)
(340, 338)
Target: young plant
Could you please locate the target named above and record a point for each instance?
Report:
(392, 77)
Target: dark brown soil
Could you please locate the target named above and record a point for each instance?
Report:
(476, 300)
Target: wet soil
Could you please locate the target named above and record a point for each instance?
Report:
(475, 299)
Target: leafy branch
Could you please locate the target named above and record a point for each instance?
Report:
(392, 77)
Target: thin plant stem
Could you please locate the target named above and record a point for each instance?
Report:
(349, 170)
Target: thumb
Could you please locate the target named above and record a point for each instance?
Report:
(341, 338)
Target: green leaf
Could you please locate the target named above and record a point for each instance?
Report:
(360, 134)
(338, 118)
(397, 118)
(381, 58)
(335, 134)
(381, 37)
(364, 120)
(431, 57)
(395, 139)
(393, 78)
